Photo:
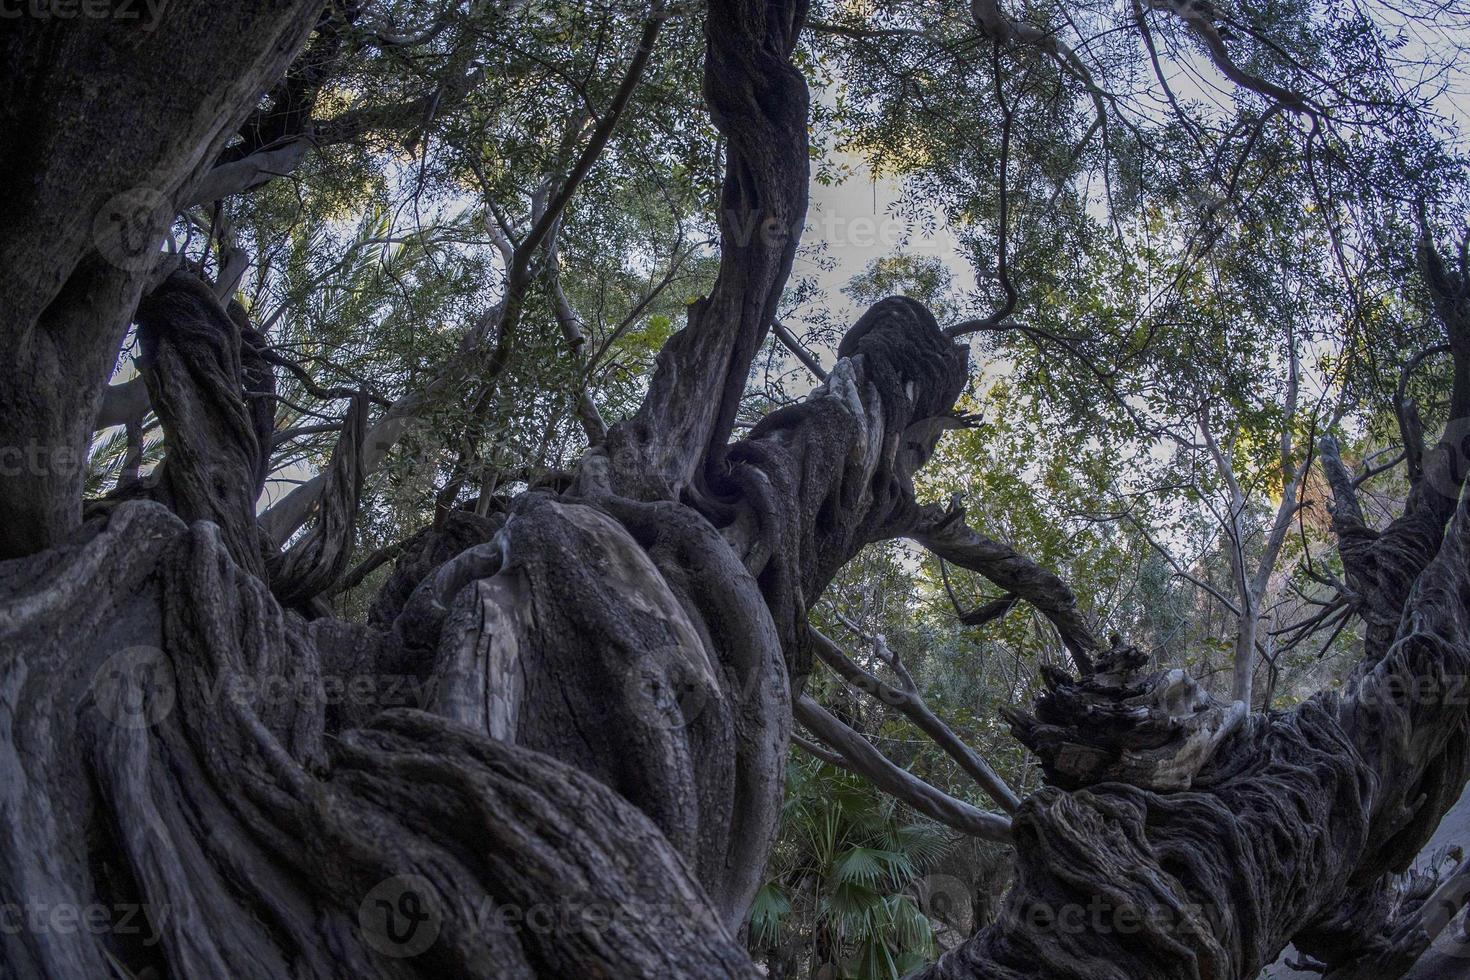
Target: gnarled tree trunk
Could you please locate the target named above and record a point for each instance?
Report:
(557, 747)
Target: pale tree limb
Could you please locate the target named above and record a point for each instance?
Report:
(911, 705)
(1252, 583)
(821, 753)
(122, 403)
(995, 24)
(1199, 19)
(867, 761)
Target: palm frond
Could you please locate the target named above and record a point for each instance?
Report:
(768, 912)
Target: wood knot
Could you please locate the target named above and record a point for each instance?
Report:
(1121, 723)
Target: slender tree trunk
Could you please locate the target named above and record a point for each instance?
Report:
(1244, 668)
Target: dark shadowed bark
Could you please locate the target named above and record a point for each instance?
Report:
(1382, 566)
(193, 362)
(577, 707)
(1181, 839)
(1279, 820)
(106, 123)
(758, 101)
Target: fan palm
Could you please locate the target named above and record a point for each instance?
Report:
(841, 882)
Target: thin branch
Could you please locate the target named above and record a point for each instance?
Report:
(911, 705)
(595, 145)
(1002, 269)
(370, 564)
(1199, 19)
(820, 752)
(789, 341)
(867, 761)
(945, 533)
(285, 517)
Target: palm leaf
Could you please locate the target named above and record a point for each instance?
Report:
(767, 913)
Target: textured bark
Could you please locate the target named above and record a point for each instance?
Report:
(509, 645)
(254, 841)
(106, 122)
(1382, 566)
(210, 380)
(571, 594)
(945, 533)
(1289, 814)
(193, 362)
(1196, 843)
(815, 482)
(517, 777)
(423, 554)
(556, 748)
(314, 563)
(758, 101)
(1118, 725)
